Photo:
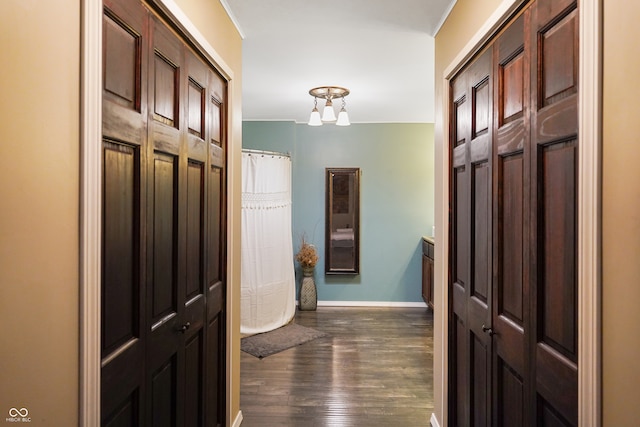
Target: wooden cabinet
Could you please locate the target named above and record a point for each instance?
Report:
(427, 272)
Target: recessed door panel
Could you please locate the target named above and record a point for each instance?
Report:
(480, 399)
(216, 121)
(461, 236)
(164, 234)
(214, 261)
(557, 285)
(558, 47)
(122, 56)
(511, 396)
(461, 376)
(194, 380)
(196, 108)
(481, 107)
(195, 229)
(481, 232)
(167, 78)
(121, 290)
(164, 394)
(512, 88)
(511, 238)
(126, 415)
(461, 121)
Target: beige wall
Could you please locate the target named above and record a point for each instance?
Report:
(621, 215)
(39, 179)
(39, 193)
(620, 192)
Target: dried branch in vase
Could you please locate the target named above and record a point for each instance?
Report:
(307, 256)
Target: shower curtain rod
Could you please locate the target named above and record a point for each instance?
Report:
(268, 153)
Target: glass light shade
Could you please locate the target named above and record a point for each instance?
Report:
(314, 120)
(343, 118)
(328, 115)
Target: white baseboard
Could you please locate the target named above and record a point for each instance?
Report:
(371, 304)
(238, 420)
(434, 421)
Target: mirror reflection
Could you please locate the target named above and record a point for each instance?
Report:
(342, 250)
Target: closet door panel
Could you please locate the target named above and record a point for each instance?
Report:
(194, 379)
(123, 345)
(471, 249)
(461, 374)
(480, 380)
(480, 289)
(480, 88)
(510, 299)
(164, 394)
(215, 384)
(163, 284)
(557, 325)
(510, 395)
(554, 40)
(460, 379)
(165, 119)
(195, 243)
(510, 312)
(125, 43)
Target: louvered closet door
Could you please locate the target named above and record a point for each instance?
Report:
(163, 227)
(514, 216)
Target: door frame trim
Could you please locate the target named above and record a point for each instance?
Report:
(589, 211)
(90, 212)
(90, 244)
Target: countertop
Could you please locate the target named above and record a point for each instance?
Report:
(429, 239)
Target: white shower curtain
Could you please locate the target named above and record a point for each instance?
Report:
(268, 278)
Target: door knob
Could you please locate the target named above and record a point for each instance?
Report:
(184, 327)
(487, 330)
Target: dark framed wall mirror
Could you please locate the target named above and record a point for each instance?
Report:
(342, 228)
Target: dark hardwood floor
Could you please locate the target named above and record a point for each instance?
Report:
(374, 369)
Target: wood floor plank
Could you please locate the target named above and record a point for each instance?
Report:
(375, 368)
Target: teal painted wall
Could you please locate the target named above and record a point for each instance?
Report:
(396, 199)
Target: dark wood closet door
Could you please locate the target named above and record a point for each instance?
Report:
(512, 155)
(178, 230)
(471, 288)
(554, 134)
(124, 184)
(514, 219)
(215, 324)
(165, 222)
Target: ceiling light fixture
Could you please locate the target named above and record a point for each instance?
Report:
(328, 115)
(315, 120)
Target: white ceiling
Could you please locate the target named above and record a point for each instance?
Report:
(381, 50)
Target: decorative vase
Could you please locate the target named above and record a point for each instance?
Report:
(308, 293)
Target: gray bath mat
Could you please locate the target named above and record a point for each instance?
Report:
(272, 342)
